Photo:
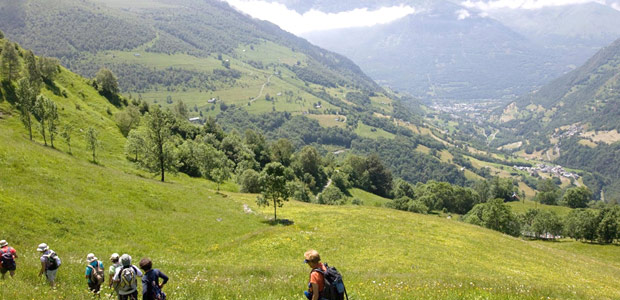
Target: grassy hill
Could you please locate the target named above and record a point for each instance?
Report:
(573, 120)
(212, 249)
(78, 207)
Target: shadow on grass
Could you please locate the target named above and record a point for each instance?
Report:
(283, 222)
(51, 85)
(8, 90)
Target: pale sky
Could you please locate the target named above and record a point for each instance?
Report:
(314, 20)
(526, 4)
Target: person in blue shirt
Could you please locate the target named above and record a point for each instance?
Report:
(94, 285)
(151, 288)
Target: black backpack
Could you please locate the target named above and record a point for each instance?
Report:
(53, 261)
(6, 258)
(334, 286)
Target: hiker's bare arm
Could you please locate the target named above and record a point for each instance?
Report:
(315, 291)
(42, 269)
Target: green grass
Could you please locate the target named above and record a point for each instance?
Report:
(523, 206)
(212, 249)
(372, 132)
(368, 199)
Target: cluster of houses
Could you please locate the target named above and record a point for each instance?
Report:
(572, 130)
(553, 170)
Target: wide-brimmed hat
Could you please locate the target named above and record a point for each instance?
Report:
(3, 243)
(114, 256)
(91, 257)
(42, 247)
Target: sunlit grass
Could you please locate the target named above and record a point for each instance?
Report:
(212, 249)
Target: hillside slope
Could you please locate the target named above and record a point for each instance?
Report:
(65, 201)
(577, 116)
(212, 249)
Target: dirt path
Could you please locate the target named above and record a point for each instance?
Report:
(262, 89)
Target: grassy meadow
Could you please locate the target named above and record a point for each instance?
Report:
(212, 249)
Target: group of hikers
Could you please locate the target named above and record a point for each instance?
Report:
(122, 275)
(325, 282)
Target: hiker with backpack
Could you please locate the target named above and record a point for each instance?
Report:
(50, 262)
(325, 282)
(151, 288)
(116, 265)
(126, 277)
(95, 273)
(7, 259)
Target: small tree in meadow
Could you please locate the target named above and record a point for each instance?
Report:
(41, 107)
(26, 99)
(275, 190)
(92, 141)
(52, 119)
(65, 133)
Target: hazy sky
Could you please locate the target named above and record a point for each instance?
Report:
(314, 20)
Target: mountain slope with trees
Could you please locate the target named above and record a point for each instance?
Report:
(89, 184)
(577, 115)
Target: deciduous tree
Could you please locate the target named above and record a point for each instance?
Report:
(577, 197)
(160, 155)
(9, 61)
(26, 99)
(92, 141)
(107, 82)
(273, 178)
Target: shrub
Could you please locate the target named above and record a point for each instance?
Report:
(357, 201)
(417, 206)
(331, 196)
(250, 181)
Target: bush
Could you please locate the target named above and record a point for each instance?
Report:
(357, 201)
(418, 206)
(300, 191)
(331, 196)
(249, 181)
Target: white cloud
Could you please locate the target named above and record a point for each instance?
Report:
(314, 20)
(522, 4)
(616, 6)
(462, 14)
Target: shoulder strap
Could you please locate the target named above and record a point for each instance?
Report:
(318, 270)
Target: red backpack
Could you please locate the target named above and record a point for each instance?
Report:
(6, 258)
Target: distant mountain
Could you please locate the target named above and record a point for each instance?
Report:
(449, 51)
(583, 25)
(75, 30)
(588, 95)
(434, 54)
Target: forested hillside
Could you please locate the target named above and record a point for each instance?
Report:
(79, 161)
(204, 59)
(576, 117)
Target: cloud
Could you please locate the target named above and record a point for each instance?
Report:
(314, 20)
(462, 14)
(522, 4)
(616, 6)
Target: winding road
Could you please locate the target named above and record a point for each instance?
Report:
(262, 89)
